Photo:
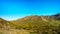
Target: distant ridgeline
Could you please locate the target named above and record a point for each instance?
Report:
(39, 24)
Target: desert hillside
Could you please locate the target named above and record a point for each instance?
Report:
(32, 24)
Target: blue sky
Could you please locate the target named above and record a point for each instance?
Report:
(14, 9)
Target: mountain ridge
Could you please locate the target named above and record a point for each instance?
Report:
(39, 24)
(44, 18)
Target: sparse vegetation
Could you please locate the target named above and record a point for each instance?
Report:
(32, 25)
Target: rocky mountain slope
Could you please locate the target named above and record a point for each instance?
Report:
(39, 24)
(39, 18)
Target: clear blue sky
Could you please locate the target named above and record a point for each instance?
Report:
(14, 9)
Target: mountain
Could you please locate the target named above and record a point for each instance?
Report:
(34, 18)
(45, 24)
(39, 18)
(39, 24)
(57, 16)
